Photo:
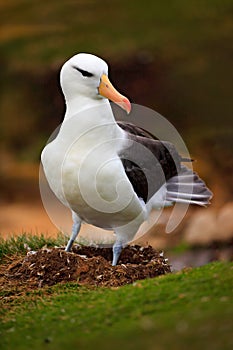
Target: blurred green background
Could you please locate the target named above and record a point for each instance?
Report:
(172, 56)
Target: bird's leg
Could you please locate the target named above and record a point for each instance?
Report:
(75, 230)
(117, 248)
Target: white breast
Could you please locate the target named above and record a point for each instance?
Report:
(86, 174)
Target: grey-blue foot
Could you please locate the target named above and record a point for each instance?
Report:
(74, 234)
(116, 253)
(69, 245)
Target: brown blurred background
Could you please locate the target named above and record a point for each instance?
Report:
(175, 58)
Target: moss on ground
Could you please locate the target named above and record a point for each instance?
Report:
(190, 309)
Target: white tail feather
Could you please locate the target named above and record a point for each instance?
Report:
(181, 200)
(187, 187)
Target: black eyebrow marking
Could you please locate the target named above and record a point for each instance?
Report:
(85, 73)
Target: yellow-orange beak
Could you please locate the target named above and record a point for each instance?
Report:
(107, 90)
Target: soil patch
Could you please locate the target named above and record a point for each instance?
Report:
(85, 265)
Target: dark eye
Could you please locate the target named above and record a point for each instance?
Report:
(85, 73)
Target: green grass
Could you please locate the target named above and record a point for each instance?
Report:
(20, 244)
(191, 309)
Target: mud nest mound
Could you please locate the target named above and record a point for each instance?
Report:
(85, 265)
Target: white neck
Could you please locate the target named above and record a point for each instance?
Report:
(90, 115)
(81, 103)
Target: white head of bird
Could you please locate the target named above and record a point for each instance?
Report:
(85, 77)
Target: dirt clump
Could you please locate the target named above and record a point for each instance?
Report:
(85, 265)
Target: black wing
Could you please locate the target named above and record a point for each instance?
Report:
(148, 162)
(136, 130)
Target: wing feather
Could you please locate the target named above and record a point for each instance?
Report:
(149, 163)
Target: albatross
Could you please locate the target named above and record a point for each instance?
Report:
(111, 174)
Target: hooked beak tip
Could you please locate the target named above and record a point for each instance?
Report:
(127, 105)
